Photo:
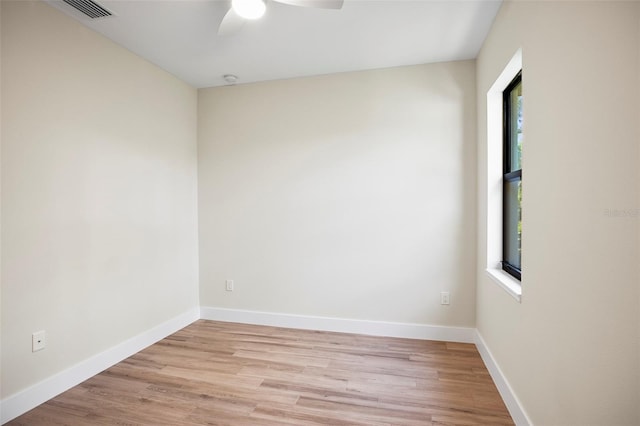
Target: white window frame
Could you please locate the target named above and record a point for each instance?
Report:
(494, 178)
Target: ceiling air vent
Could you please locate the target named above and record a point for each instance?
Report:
(90, 8)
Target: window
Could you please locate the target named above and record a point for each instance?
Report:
(504, 178)
(512, 178)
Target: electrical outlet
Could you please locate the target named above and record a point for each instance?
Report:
(444, 298)
(38, 341)
(229, 285)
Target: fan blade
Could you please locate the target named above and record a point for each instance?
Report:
(320, 4)
(231, 23)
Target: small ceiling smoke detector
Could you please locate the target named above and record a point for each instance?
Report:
(230, 78)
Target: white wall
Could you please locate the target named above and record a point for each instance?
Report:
(348, 196)
(99, 194)
(570, 349)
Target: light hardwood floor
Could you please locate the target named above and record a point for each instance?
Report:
(214, 373)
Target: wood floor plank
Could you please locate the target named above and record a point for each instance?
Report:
(214, 373)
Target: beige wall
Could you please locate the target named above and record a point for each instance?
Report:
(349, 195)
(99, 194)
(570, 349)
(1, 319)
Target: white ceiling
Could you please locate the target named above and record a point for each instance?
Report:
(180, 36)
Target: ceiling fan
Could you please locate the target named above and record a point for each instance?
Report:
(242, 10)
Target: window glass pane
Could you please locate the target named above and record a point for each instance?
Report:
(513, 222)
(515, 127)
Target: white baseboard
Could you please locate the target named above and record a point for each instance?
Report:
(508, 396)
(372, 328)
(23, 401)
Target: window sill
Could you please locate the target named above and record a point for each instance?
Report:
(507, 282)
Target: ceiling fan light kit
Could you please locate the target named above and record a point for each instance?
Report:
(242, 10)
(249, 9)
